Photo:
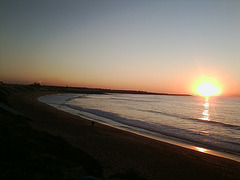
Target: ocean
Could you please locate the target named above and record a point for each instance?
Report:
(208, 125)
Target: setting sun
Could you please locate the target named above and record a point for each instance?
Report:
(207, 87)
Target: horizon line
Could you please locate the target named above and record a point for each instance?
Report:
(119, 90)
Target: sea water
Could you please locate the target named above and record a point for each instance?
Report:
(212, 123)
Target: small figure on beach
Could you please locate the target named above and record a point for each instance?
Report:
(89, 178)
(93, 123)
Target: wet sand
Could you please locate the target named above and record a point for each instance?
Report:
(121, 152)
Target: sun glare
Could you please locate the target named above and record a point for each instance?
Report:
(207, 87)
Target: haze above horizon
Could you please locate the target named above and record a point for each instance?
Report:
(156, 46)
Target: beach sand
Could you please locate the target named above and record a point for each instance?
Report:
(122, 153)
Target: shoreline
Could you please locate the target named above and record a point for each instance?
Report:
(119, 150)
(156, 136)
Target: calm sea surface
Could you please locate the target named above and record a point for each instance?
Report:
(212, 123)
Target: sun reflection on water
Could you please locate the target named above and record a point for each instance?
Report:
(201, 149)
(206, 110)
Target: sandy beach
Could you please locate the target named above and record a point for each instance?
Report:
(121, 152)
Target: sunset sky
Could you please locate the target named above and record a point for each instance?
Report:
(158, 46)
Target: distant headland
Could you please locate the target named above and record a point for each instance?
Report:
(11, 88)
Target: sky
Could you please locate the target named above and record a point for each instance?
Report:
(158, 46)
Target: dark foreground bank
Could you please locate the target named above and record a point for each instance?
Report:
(26, 153)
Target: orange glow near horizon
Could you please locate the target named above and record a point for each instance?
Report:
(207, 87)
